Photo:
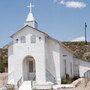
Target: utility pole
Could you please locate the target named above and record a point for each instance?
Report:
(85, 33)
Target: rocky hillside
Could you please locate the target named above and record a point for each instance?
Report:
(3, 59)
(80, 49)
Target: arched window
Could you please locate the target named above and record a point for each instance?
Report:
(33, 39)
(23, 39)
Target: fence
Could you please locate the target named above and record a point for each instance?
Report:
(87, 77)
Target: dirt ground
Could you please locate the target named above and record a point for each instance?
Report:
(3, 79)
(80, 87)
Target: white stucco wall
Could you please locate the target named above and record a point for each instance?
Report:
(11, 64)
(21, 50)
(53, 58)
(68, 56)
(76, 67)
(83, 66)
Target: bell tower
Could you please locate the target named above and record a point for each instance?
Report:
(30, 18)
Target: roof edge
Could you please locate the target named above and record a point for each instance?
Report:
(30, 27)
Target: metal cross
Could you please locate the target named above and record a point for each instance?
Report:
(30, 6)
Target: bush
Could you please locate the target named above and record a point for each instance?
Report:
(66, 80)
(3, 65)
(75, 78)
(2, 69)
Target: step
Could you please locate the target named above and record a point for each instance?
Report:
(26, 85)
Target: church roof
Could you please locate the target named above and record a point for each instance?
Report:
(25, 27)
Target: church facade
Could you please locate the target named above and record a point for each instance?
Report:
(35, 56)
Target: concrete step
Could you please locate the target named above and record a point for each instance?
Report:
(26, 85)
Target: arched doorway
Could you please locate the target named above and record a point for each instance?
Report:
(29, 69)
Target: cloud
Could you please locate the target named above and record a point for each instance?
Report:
(82, 38)
(72, 4)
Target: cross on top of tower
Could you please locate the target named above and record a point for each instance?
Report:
(30, 6)
(30, 18)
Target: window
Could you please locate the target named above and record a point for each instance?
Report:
(65, 66)
(39, 38)
(33, 39)
(16, 40)
(31, 66)
(71, 67)
(23, 39)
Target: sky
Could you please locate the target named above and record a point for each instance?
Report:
(61, 19)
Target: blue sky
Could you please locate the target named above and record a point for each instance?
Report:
(61, 19)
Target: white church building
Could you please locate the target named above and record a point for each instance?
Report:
(35, 56)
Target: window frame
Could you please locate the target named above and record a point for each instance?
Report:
(33, 39)
(23, 39)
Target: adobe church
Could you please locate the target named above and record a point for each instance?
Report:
(34, 56)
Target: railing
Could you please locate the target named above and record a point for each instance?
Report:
(34, 77)
(50, 77)
(87, 77)
(19, 83)
(32, 81)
